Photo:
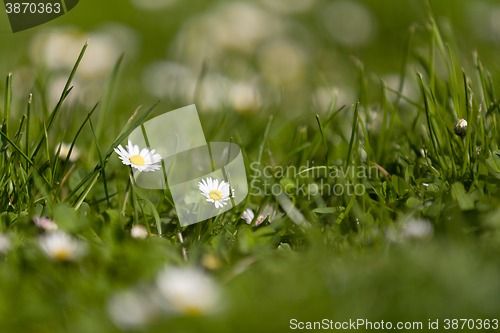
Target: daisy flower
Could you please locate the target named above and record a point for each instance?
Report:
(270, 211)
(188, 291)
(60, 246)
(5, 244)
(139, 231)
(143, 160)
(45, 223)
(133, 309)
(217, 193)
(418, 229)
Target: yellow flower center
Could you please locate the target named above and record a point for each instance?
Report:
(137, 160)
(193, 311)
(216, 195)
(61, 254)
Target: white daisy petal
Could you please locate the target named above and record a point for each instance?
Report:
(157, 158)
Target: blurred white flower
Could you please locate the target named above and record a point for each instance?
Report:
(180, 84)
(350, 23)
(100, 57)
(5, 244)
(60, 246)
(282, 63)
(132, 309)
(59, 50)
(152, 4)
(144, 160)
(418, 229)
(232, 26)
(289, 6)
(269, 211)
(63, 153)
(244, 98)
(170, 79)
(218, 194)
(139, 231)
(244, 26)
(45, 223)
(188, 291)
(126, 39)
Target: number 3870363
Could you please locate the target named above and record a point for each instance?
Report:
(33, 8)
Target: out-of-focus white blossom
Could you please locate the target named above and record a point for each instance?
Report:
(60, 246)
(230, 27)
(153, 4)
(418, 229)
(282, 63)
(350, 23)
(139, 231)
(244, 98)
(5, 244)
(188, 291)
(132, 309)
(289, 6)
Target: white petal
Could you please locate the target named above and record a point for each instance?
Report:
(144, 152)
(221, 185)
(156, 158)
(204, 190)
(130, 148)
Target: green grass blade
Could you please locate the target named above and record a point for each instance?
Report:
(101, 121)
(353, 135)
(7, 102)
(64, 94)
(16, 148)
(325, 146)
(101, 161)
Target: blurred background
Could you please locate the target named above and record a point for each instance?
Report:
(244, 56)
